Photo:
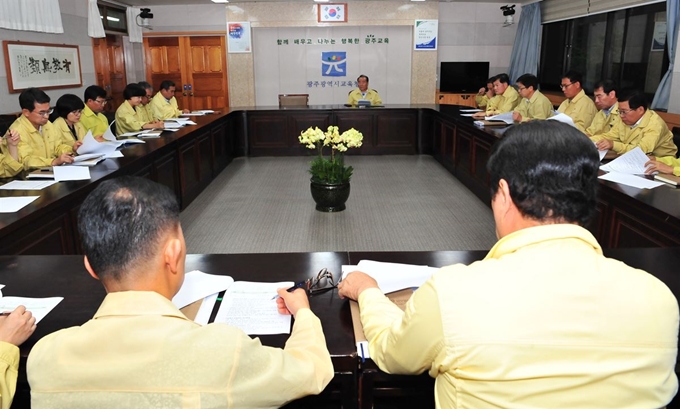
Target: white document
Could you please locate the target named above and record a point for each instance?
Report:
(172, 125)
(108, 135)
(362, 350)
(393, 276)
(27, 184)
(131, 141)
(87, 157)
(90, 145)
(602, 153)
(171, 129)
(198, 285)
(150, 135)
(470, 110)
(135, 133)
(631, 180)
(250, 306)
(189, 123)
(506, 117)
(564, 118)
(631, 162)
(114, 154)
(468, 115)
(203, 314)
(194, 114)
(16, 203)
(66, 173)
(39, 307)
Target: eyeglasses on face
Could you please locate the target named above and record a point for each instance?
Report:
(625, 111)
(44, 113)
(563, 86)
(321, 283)
(101, 101)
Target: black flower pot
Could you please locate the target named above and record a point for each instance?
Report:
(329, 197)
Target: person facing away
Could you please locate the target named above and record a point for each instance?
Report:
(363, 93)
(139, 350)
(127, 114)
(639, 126)
(534, 105)
(144, 109)
(608, 116)
(15, 328)
(69, 110)
(92, 118)
(577, 106)
(545, 319)
(164, 103)
(41, 144)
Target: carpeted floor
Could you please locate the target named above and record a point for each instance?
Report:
(397, 203)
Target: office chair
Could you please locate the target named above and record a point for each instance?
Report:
(293, 100)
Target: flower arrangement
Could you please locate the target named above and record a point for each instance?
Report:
(330, 170)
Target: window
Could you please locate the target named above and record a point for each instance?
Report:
(617, 45)
(113, 18)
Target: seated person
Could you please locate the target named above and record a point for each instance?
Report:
(15, 328)
(363, 93)
(639, 127)
(545, 317)
(127, 118)
(485, 94)
(534, 105)
(577, 106)
(92, 118)
(41, 144)
(144, 109)
(669, 165)
(164, 103)
(69, 109)
(139, 350)
(608, 115)
(508, 98)
(10, 163)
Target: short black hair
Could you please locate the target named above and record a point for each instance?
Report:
(634, 97)
(31, 96)
(551, 170)
(528, 80)
(68, 103)
(121, 222)
(145, 85)
(607, 86)
(166, 84)
(574, 76)
(363, 76)
(133, 90)
(93, 92)
(503, 78)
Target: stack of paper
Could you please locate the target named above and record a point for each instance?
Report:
(624, 168)
(109, 148)
(392, 276)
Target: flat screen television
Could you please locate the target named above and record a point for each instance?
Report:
(463, 77)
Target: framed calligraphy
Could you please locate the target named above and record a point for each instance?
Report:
(44, 66)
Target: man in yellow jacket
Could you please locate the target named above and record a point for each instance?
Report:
(144, 112)
(363, 93)
(164, 103)
(608, 115)
(41, 144)
(578, 106)
(534, 105)
(485, 94)
(506, 98)
(639, 127)
(127, 114)
(92, 118)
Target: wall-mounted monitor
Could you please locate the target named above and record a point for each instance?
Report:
(463, 77)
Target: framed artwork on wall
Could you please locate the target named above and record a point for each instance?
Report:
(45, 66)
(332, 12)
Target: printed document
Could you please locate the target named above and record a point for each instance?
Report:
(631, 180)
(631, 162)
(39, 307)
(392, 276)
(198, 285)
(27, 184)
(15, 203)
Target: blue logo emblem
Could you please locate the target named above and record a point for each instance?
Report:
(334, 64)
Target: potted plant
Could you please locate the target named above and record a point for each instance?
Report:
(330, 176)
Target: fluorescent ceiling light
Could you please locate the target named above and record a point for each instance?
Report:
(321, 1)
(220, 1)
(112, 18)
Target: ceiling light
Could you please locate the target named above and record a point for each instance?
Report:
(112, 18)
(321, 1)
(220, 1)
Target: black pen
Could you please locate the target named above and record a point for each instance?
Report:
(301, 284)
(4, 314)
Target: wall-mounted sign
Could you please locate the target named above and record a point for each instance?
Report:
(45, 66)
(425, 34)
(238, 37)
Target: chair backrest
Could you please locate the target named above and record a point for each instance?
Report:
(676, 139)
(293, 100)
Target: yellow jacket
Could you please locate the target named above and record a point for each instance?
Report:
(8, 168)
(651, 134)
(581, 109)
(603, 123)
(144, 113)
(65, 132)
(97, 123)
(671, 161)
(537, 107)
(38, 149)
(371, 95)
(505, 102)
(162, 108)
(9, 368)
(127, 119)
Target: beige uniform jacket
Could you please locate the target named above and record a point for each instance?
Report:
(581, 109)
(65, 132)
(651, 134)
(144, 113)
(140, 351)
(604, 123)
(97, 123)
(164, 109)
(39, 148)
(127, 119)
(536, 107)
(506, 102)
(9, 370)
(545, 320)
(371, 95)
(671, 161)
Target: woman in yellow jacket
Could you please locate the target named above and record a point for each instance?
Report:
(69, 109)
(127, 119)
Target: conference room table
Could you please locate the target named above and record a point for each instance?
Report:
(356, 383)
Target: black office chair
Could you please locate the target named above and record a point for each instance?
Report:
(676, 139)
(293, 100)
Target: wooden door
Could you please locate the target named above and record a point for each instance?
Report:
(206, 73)
(164, 62)
(109, 63)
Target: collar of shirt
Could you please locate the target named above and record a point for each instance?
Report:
(538, 234)
(137, 303)
(637, 123)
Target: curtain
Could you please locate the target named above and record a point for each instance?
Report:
(526, 50)
(663, 93)
(134, 31)
(31, 15)
(95, 27)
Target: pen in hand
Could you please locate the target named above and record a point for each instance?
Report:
(301, 284)
(4, 314)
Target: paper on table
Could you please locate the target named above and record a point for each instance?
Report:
(470, 110)
(27, 184)
(631, 162)
(87, 156)
(204, 311)
(65, 173)
(90, 145)
(150, 135)
(171, 129)
(564, 118)
(131, 141)
(393, 276)
(631, 180)
(114, 154)
(506, 117)
(135, 133)
(468, 115)
(15, 203)
(197, 285)
(601, 153)
(39, 307)
(171, 125)
(250, 307)
(108, 135)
